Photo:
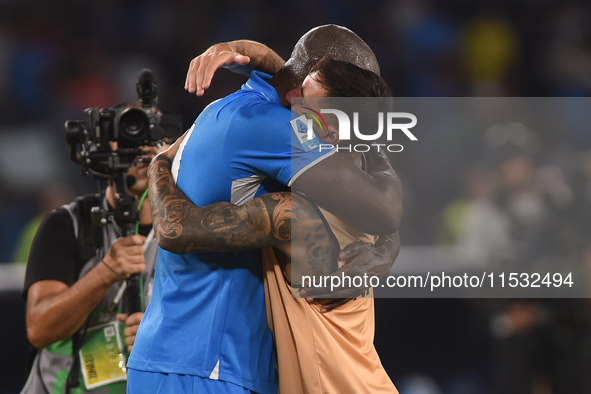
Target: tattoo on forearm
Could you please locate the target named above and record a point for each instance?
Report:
(282, 217)
(181, 226)
(270, 220)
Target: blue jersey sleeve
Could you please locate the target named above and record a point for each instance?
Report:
(263, 140)
(306, 148)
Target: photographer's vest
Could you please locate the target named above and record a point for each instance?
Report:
(53, 364)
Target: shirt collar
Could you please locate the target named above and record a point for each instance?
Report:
(259, 82)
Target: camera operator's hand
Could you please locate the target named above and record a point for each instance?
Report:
(132, 322)
(203, 67)
(56, 310)
(125, 258)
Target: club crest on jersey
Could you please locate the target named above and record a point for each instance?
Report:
(303, 130)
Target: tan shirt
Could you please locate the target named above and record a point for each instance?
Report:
(330, 352)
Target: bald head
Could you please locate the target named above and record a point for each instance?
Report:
(333, 41)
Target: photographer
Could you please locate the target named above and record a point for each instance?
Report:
(73, 275)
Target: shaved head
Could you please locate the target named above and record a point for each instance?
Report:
(334, 41)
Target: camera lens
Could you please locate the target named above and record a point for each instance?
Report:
(134, 124)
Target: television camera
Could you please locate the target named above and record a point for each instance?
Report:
(108, 142)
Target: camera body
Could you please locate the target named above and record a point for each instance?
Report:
(129, 125)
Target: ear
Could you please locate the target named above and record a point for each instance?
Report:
(294, 93)
(297, 92)
(332, 135)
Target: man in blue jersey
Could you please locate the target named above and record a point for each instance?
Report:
(206, 328)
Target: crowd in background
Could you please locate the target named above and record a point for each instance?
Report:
(531, 200)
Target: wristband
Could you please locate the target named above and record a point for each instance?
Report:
(118, 274)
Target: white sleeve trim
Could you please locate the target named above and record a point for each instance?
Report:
(306, 168)
(176, 162)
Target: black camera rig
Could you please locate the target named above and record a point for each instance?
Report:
(108, 142)
(130, 125)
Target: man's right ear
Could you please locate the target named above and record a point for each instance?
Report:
(332, 135)
(297, 92)
(294, 93)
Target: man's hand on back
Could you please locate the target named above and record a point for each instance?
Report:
(241, 56)
(360, 259)
(202, 68)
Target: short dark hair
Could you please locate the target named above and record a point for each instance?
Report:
(344, 79)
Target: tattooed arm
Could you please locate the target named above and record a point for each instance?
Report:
(182, 227)
(241, 56)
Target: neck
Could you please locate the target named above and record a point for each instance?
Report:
(284, 81)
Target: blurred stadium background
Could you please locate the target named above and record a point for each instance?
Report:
(58, 58)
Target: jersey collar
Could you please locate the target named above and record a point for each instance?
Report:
(259, 82)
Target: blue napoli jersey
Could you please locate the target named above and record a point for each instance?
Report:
(207, 315)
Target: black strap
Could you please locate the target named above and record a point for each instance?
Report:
(89, 237)
(89, 240)
(73, 379)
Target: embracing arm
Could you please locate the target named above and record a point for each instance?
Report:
(360, 259)
(368, 201)
(283, 220)
(383, 255)
(241, 56)
(182, 227)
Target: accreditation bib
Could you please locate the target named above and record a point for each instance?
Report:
(101, 356)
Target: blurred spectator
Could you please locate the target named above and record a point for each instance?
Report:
(474, 223)
(490, 50)
(569, 55)
(89, 85)
(524, 216)
(429, 47)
